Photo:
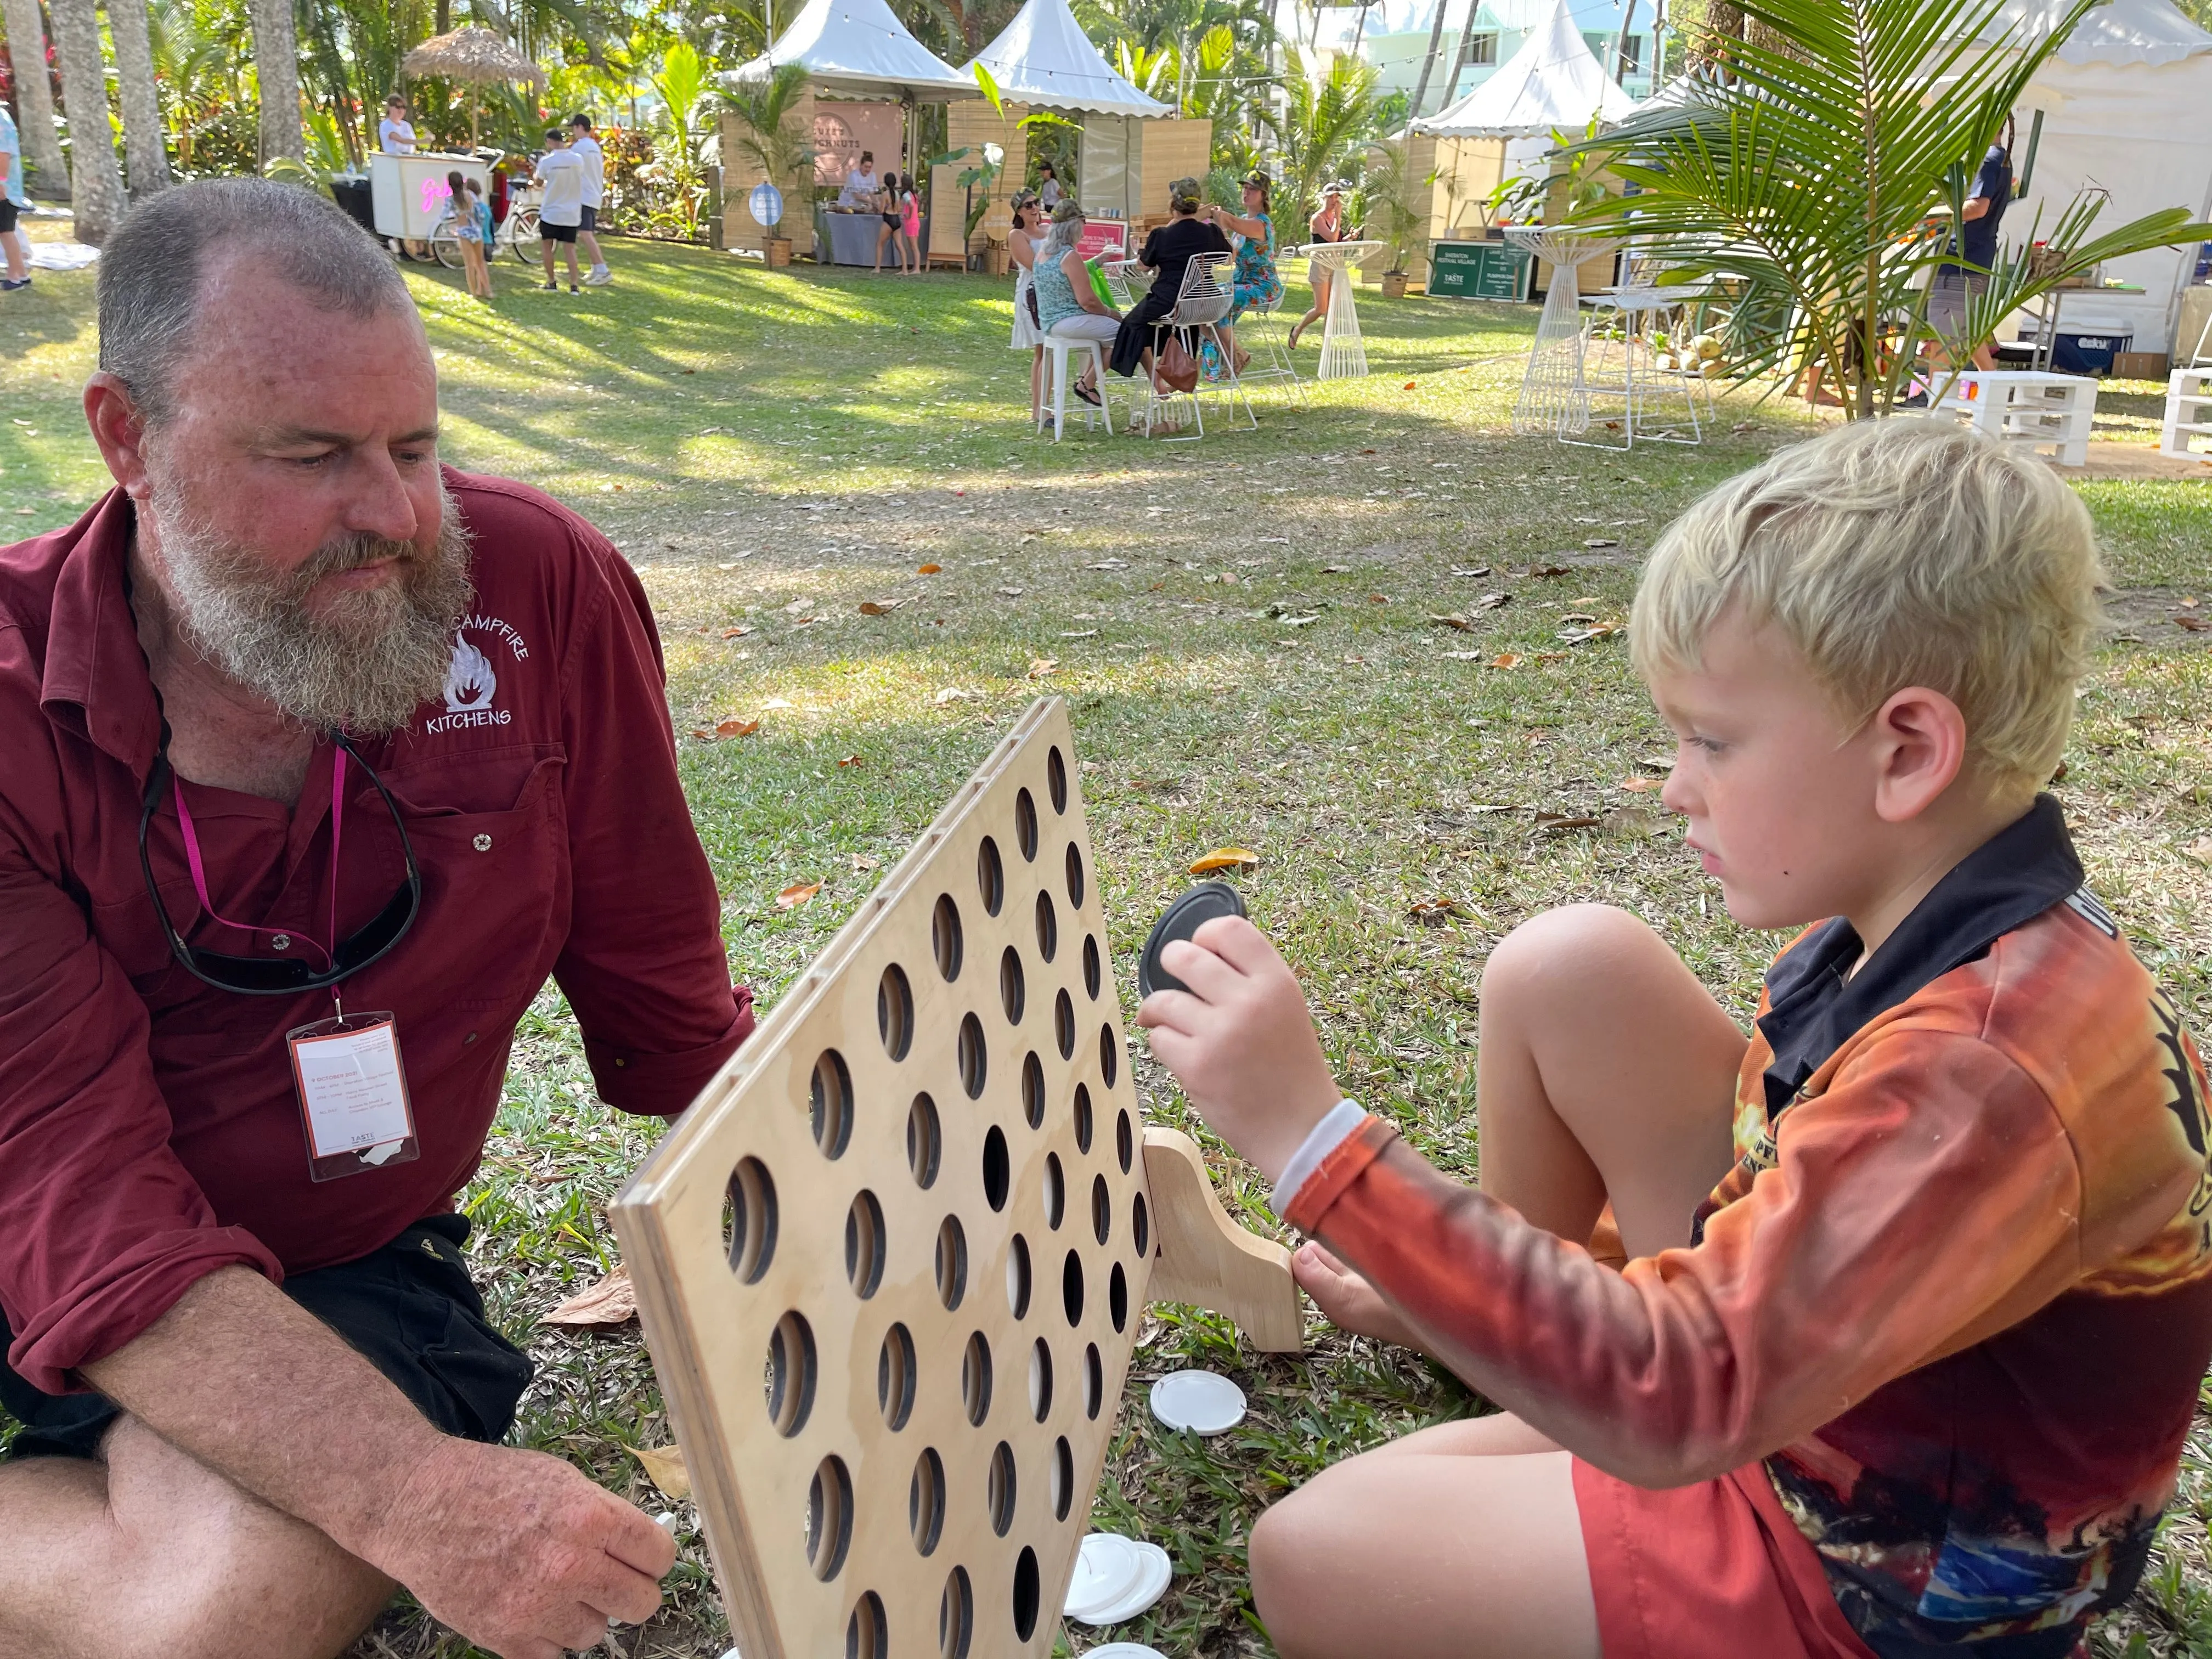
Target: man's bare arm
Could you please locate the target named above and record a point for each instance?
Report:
(516, 1550)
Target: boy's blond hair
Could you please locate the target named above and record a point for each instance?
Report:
(1895, 553)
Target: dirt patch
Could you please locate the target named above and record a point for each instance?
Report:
(2160, 616)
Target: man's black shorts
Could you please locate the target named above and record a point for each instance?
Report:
(559, 233)
(7, 216)
(590, 218)
(409, 1308)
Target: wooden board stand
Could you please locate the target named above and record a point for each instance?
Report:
(891, 1263)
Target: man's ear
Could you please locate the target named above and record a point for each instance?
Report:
(1920, 748)
(119, 430)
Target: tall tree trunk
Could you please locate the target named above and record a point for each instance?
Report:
(35, 100)
(277, 62)
(1429, 63)
(95, 181)
(145, 140)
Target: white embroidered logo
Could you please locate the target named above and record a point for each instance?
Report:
(471, 681)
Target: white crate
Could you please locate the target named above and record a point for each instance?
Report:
(2188, 404)
(2051, 414)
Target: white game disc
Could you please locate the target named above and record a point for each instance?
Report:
(1125, 1650)
(1115, 1578)
(1200, 1401)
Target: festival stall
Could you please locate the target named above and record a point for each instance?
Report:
(864, 70)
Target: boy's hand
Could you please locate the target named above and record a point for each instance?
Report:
(1241, 1043)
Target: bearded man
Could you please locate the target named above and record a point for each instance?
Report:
(319, 758)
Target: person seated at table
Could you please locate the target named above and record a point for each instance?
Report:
(1167, 253)
(1068, 306)
(859, 188)
(1327, 225)
(1256, 281)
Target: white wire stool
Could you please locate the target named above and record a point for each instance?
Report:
(1259, 331)
(1552, 402)
(1201, 306)
(1619, 365)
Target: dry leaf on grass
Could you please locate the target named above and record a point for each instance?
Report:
(796, 894)
(1505, 660)
(1459, 622)
(2200, 849)
(778, 702)
(1078, 633)
(1010, 593)
(1557, 823)
(879, 607)
(1336, 570)
(1477, 570)
(738, 633)
(1600, 541)
(1378, 599)
(1299, 622)
(663, 1466)
(1494, 601)
(602, 1307)
(1435, 912)
(798, 607)
(1551, 656)
(929, 571)
(1410, 384)
(1545, 570)
(951, 694)
(734, 728)
(1225, 857)
(1640, 786)
(850, 760)
(1041, 666)
(2194, 624)
(863, 863)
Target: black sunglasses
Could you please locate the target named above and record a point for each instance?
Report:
(271, 976)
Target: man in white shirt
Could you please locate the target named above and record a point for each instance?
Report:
(393, 133)
(587, 149)
(560, 209)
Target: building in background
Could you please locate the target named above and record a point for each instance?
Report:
(1397, 35)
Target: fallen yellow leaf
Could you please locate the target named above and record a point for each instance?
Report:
(602, 1307)
(734, 728)
(663, 1466)
(796, 894)
(850, 760)
(1225, 857)
(929, 571)
(1505, 660)
(879, 607)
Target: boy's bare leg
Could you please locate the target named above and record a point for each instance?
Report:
(1459, 1542)
(150, 1552)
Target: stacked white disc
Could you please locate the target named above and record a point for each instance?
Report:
(1116, 1578)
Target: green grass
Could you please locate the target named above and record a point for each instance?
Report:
(770, 449)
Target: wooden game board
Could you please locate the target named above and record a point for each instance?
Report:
(891, 1263)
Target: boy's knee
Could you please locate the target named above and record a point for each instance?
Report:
(1290, 1543)
(1568, 948)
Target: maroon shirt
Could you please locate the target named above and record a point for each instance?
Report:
(148, 1129)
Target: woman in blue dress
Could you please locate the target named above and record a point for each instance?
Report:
(1256, 282)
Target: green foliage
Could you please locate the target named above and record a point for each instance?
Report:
(1818, 175)
(1388, 211)
(1322, 127)
(769, 134)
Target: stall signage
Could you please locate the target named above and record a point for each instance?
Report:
(1103, 236)
(1478, 271)
(766, 205)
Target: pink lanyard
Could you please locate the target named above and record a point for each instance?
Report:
(199, 869)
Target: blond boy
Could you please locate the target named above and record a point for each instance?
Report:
(1918, 1293)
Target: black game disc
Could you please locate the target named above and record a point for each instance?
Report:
(1181, 919)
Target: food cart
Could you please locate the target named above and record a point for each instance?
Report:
(408, 194)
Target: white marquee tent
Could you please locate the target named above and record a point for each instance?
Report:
(1552, 81)
(857, 49)
(1043, 59)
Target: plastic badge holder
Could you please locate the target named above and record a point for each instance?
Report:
(1181, 919)
(1202, 1401)
(1115, 1578)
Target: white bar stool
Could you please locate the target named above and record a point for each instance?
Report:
(1057, 349)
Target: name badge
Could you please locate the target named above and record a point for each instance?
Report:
(353, 1094)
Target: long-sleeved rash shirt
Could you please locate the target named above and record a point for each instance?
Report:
(148, 1129)
(1956, 1294)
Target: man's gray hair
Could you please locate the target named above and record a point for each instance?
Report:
(154, 267)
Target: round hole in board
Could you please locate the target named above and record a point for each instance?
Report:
(951, 1263)
(1071, 1289)
(925, 1500)
(1125, 1142)
(945, 937)
(1082, 1117)
(990, 875)
(1117, 1296)
(866, 1636)
(1140, 1226)
(895, 1375)
(864, 1244)
(1102, 1208)
(975, 1061)
(976, 1379)
(1063, 1477)
(1090, 971)
(1063, 1025)
(1040, 1381)
(829, 1517)
(1075, 875)
(925, 1141)
(1055, 779)
(895, 1012)
(1109, 1055)
(829, 1104)
(1026, 824)
(1013, 987)
(1094, 1381)
(997, 1172)
(790, 1380)
(1017, 1277)
(998, 1489)
(1027, 1594)
(1048, 926)
(748, 1220)
(956, 1616)
(1055, 1191)
(1033, 1090)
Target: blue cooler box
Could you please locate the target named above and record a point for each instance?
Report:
(2086, 345)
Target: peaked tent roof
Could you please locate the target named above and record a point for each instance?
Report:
(1552, 82)
(857, 49)
(1044, 58)
(2151, 32)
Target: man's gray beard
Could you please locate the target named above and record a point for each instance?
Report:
(365, 664)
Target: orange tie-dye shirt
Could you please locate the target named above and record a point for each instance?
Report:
(1956, 1294)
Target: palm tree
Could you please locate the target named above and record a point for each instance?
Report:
(145, 141)
(34, 96)
(1428, 61)
(95, 181)
(767, 135)
(277, 62)
(1822, 176)
(1321, 127)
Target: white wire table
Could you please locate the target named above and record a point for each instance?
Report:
(1343, 353)
(1552, 399)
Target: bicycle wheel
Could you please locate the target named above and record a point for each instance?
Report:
(445, 247)
(523, 236)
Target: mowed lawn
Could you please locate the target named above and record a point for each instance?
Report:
(1274, 640)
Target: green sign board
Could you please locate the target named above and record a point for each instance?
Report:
(1479, 270)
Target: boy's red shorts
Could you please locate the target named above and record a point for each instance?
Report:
(1717, 1568)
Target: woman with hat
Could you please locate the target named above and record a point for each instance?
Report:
(1068, 306)
(1167, 252)
(1327, 226)
(1256, 281)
